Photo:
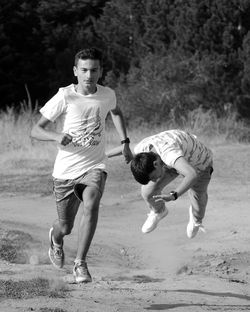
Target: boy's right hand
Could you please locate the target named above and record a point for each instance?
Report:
(127, 153)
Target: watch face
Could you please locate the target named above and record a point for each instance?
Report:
(174, 194)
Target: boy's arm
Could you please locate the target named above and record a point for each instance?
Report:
(119, 123)
(189, 176)
(188, 172)
(117, 151)
(40, 132)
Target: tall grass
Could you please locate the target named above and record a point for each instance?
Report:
(16, 143)
(205, 124)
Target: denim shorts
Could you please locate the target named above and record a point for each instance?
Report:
(68, 193)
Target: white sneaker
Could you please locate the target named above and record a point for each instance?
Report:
(56, 253)
(193, 227)
(152, 220)
(81, 272)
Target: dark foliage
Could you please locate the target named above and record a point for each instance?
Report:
(163, 57)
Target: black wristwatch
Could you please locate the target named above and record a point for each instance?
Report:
(175, 194)
(125, 141)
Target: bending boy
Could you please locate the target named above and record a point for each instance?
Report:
(158, 160)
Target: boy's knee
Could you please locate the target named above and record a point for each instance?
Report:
(146, 197)
(155, 205)
(146, 193)
(66, 228)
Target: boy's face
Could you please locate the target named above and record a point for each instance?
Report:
(88, 73)
(157, 172)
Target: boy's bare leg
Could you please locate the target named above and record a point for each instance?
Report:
(198, 195)
(198, 198)
(155, 188)
(62, 227)
(57, 233)
(88, 222)
(91, 200)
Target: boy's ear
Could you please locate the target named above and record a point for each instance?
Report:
(155, 163)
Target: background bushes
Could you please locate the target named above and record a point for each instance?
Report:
(164, 58)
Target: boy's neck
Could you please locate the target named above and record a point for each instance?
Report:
(85, 91)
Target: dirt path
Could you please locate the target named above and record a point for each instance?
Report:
(159, 271)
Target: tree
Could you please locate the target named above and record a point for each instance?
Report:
(66, 27)
(38, 41)
(205, 34)
(20, 50)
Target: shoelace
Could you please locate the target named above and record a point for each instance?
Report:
(82, 270)
(201, 227)
(58, 251)
(82, 267)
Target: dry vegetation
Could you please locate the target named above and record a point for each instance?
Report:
(26, 164)
(17, 146)
(26, 169)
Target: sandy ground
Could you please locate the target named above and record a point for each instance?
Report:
(160, 271)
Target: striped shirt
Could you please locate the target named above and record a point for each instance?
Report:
(172, 144)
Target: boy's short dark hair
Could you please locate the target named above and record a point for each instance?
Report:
(142, 165)
(89, 54)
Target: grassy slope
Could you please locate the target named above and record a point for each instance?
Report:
(26, 164)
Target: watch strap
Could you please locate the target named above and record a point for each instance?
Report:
(125, 141)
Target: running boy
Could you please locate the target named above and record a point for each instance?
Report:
(79, 170)
(158, 160)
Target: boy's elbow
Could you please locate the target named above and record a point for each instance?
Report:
(194, 175)
(191, 175)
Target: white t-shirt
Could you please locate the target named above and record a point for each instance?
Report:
(83, 117)
(172, 144)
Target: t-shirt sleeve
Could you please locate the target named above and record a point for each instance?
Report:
(143, 146)
(168, 154)
(137, 149)
(112, 99)
(54, 107)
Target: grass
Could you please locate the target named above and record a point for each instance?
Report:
(26, 164)
(10, 252)
(10, 243)
(10, 289)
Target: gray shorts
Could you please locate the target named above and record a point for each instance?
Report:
(68, 193)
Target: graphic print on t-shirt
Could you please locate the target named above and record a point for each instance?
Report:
(88, 133)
